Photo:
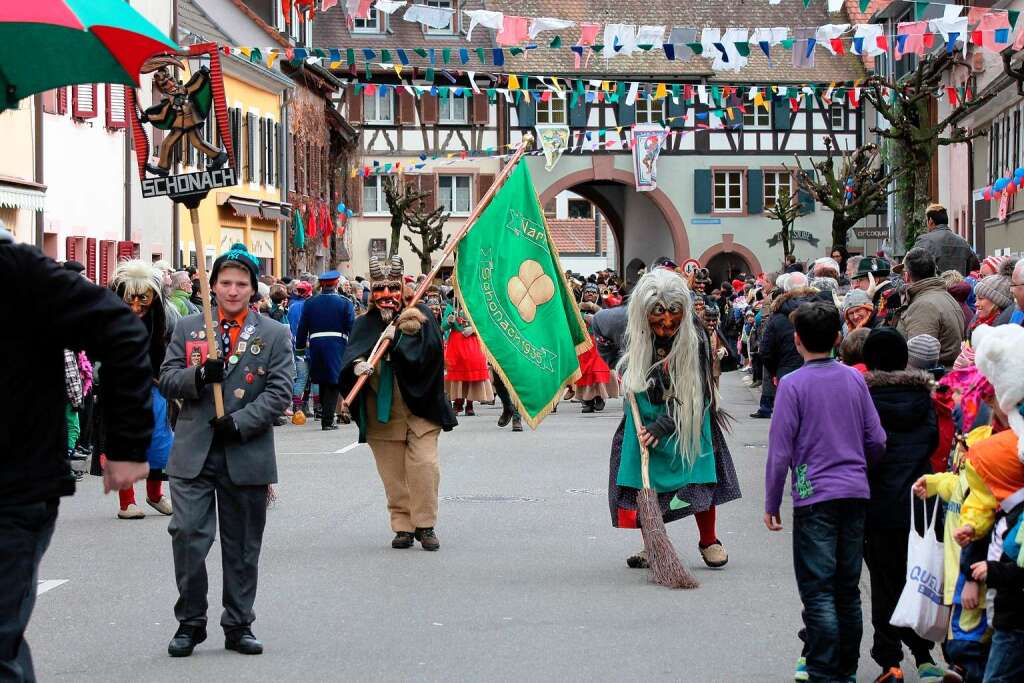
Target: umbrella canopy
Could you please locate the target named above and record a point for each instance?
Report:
(45, 44)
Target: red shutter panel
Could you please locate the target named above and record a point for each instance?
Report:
(125, 251)
(480, 112)
(90, 258)
(483, 183)
(105, 250)
(429, 111)
(71, 249)
(406, 108)
(116, 111)
(83, 101)
(62, 100)
(355, 105)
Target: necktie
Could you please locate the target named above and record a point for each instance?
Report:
(225, 337)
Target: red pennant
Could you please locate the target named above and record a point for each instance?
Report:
(882, 42)
(929, 41)
(976, 37)
(545, 96)
(951, 93)
(837, 45)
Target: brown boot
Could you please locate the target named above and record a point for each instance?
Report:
(469, 409)
(427, 538)
(457, 405)
(402, 539)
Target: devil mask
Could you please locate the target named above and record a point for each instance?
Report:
(386, 286)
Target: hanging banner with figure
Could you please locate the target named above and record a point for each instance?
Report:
(554, 139)
(647, 142)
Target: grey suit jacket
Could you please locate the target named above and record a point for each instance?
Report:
(257, 389)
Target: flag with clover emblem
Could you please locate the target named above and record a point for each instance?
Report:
(510, 283)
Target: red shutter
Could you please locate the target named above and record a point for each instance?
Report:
(355, 105)
(62, 100)
(50, 101)
(105, 246)
(480, 112)
(71, 250)
(83, 101)
(90, 258)
(406, 108)
(116, 111)
(125, 251)
(483, 183)
(429, 112)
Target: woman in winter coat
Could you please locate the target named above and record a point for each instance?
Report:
(903, 400)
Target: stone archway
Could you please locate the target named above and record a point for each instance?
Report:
(603, 169)
(728, 246)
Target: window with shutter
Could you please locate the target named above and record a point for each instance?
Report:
(116, 115)
(406, 108)
(481, 109)
(756, 186)
(625, 115)
(62, 101)
(355, 105)
(83, 101)
(90, 258)
(483, 184)
(263, 151)
(781, 119)
(702, 190)
(250, 137)
(235, 121)
(271, 151)
(429, 111)
(578, 113)
(676, 112)
(526, 113)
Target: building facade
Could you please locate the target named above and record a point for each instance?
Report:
(22, 196)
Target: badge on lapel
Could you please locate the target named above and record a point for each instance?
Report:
(195, 353)
(239, 393)
(256, 347)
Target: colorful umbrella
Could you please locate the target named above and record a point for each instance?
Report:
(49, 43)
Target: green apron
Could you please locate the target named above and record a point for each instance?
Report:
(669, 471)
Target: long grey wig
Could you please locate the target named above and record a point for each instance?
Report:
(683, 359)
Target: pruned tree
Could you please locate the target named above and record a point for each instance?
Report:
(430, 228)
(401, 198)
(786, 210)
(852, 186)
(912, 139)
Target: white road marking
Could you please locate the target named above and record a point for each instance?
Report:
(349, 447)
(48, 585)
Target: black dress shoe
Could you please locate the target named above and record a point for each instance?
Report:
(427, 538)
(327, 428)
(588, 407)
(517, 424)
(243, 642)
(185, 640)
(760, 416)
(598, 404)
(402, 540)
(505, 418)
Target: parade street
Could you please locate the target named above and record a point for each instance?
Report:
(530, 583)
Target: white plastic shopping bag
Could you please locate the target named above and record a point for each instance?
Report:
(920, 606)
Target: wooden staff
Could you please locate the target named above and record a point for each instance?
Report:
(204, 289)
(381, 347)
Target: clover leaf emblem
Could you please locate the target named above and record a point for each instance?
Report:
(530, 289)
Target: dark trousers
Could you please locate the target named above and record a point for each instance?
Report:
(1006, 658)
(201, 504)
(970, 655)
(25, 533)
(885, 553)
(756, 367)
(328, 403)
(506, 398)
(828, 550)
(767, 393)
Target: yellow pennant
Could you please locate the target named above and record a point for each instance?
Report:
(661, 92)
(513, 82)
(398, 70)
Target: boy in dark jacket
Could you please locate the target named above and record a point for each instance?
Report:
(903, 400)
(778, 351)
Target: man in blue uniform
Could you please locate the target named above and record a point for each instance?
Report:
(325, 324)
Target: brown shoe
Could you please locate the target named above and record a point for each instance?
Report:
(714, 555)
(402, 540)
(427, 538)
(517, 424)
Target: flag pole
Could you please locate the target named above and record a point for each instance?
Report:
(381, 347)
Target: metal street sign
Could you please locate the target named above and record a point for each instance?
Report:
(871, 233)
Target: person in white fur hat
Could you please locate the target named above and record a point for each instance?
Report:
(998, 357)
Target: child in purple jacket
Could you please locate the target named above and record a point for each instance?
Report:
(824, 431)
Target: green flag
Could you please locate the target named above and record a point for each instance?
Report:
(511, 285)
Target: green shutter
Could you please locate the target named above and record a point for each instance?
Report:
(702, 190)
(527, 112)
(677, 113)
(578, 114)
(805, 197)
(625, 115)
(781, 113)
(755, 191)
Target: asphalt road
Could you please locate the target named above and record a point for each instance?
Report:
(530, 583)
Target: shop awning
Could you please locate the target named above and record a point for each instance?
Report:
(16, 193)
(255, 208)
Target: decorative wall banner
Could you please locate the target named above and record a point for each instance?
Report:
(802, 235)
(647, 142)
(554, 139)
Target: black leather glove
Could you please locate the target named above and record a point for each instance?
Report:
(210, 372)
(225, 429)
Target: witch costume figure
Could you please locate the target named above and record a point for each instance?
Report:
(667, 367)
(597, 383)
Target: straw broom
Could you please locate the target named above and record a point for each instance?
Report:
(662, 558)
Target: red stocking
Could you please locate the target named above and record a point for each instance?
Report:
(127, 497)
(154, 490)
(706, 527)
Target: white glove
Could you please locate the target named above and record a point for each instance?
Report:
(389, 332)
(363, 368)
(468, 331)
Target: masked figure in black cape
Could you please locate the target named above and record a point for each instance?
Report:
(402, 408)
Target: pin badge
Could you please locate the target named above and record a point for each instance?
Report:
(202, 334)
(233, 360)
(261, 371)
(193, 334)
(242, 346)
(256, 348)
(239, 393)
(249, 378)
(249, 329)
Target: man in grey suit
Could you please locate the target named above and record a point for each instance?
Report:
(229, 460)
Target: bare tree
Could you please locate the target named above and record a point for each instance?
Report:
(786, 210)
(912, 138)
(852, 189)
(430, 228)
(401, 197)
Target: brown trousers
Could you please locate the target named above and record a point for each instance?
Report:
(411, 475)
